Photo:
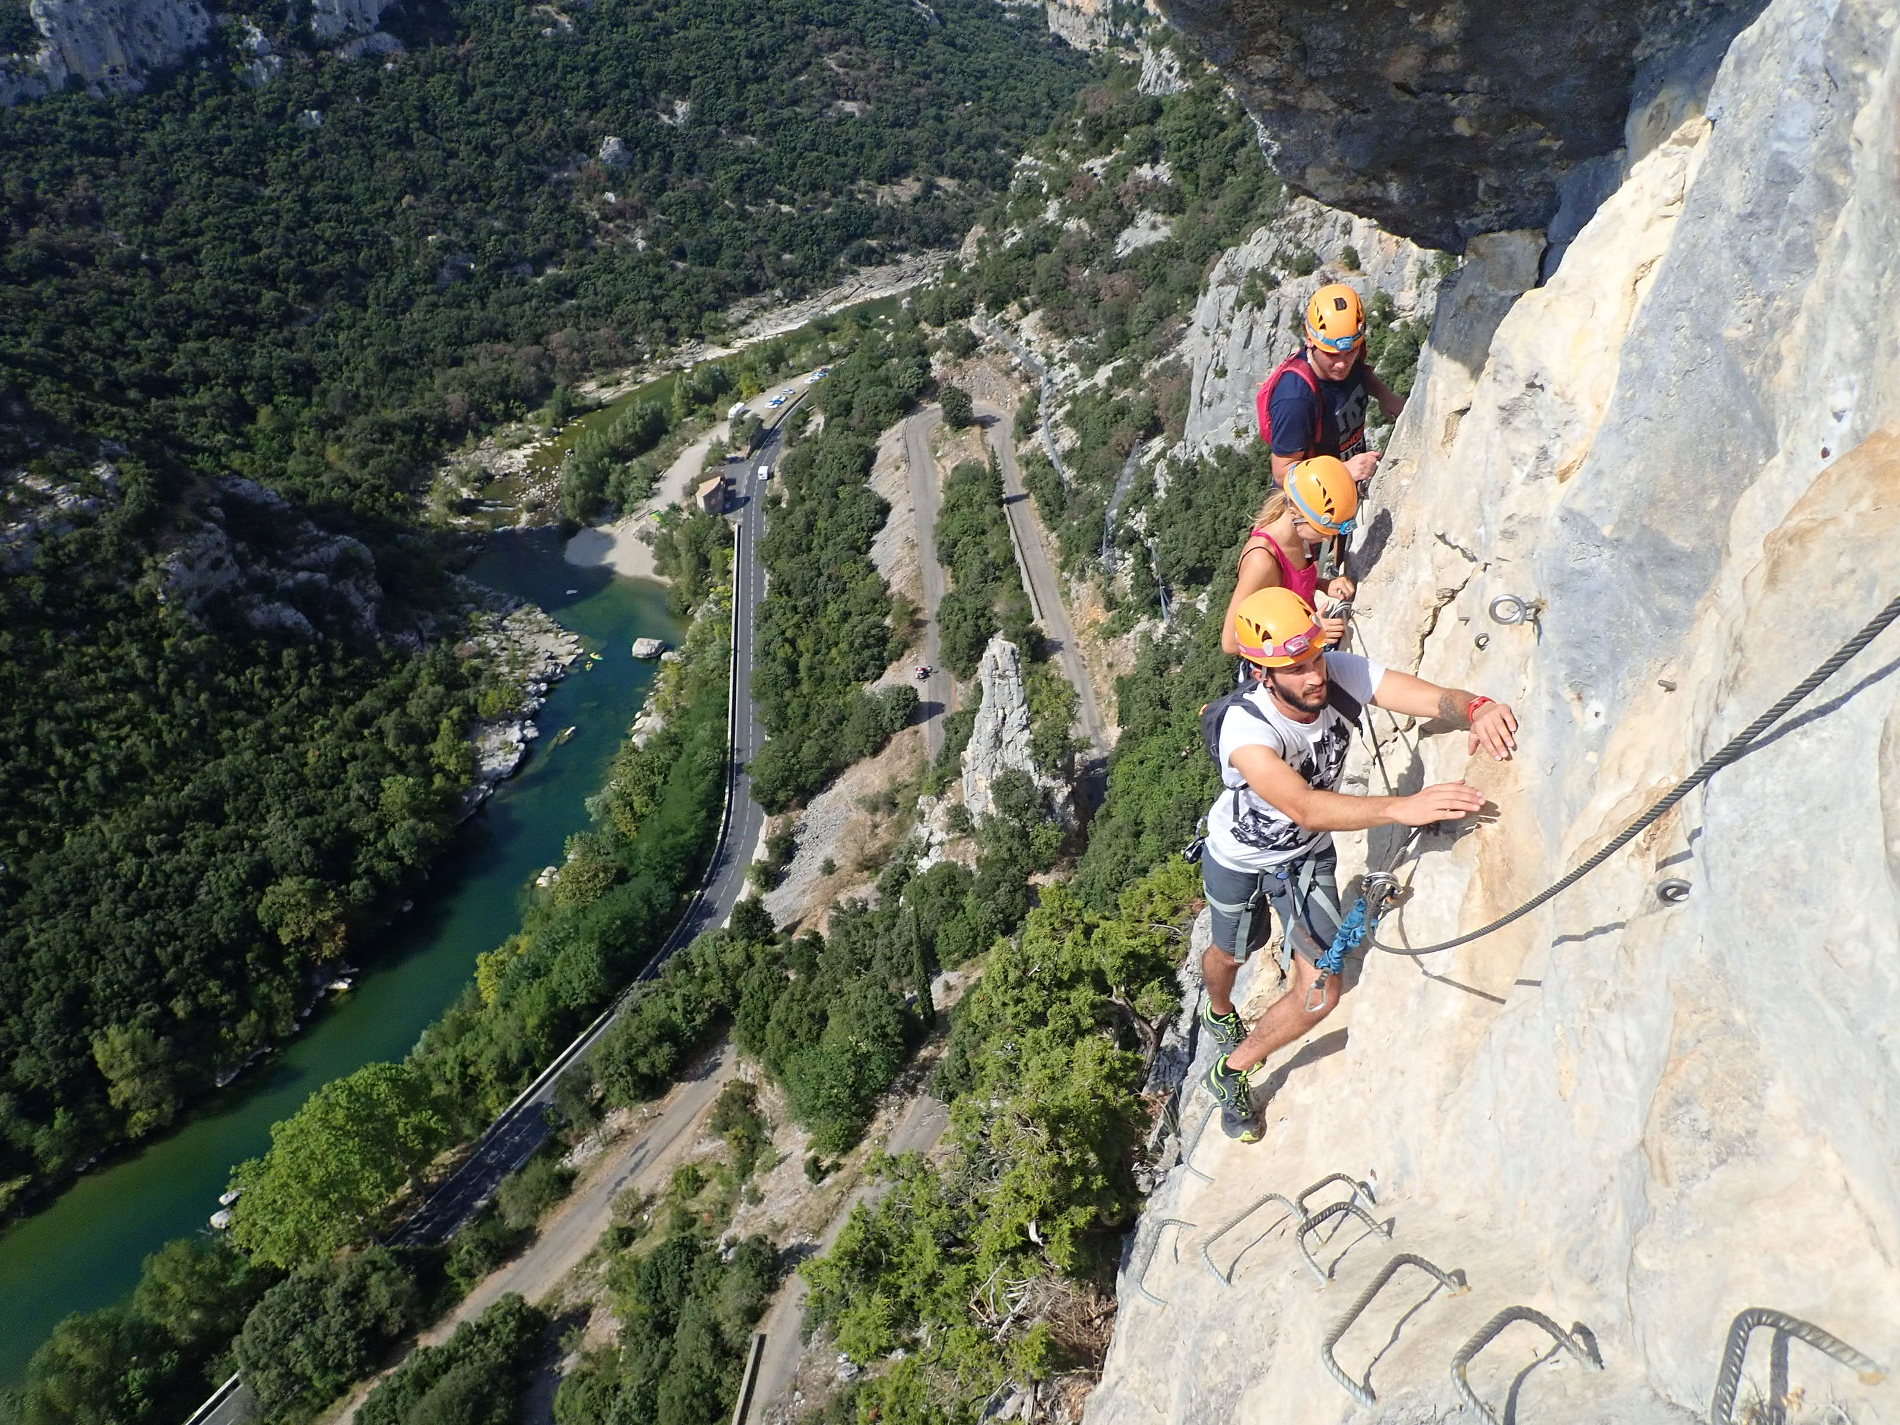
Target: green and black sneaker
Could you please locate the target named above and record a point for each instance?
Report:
(1234, 1094)
(1227, 1029)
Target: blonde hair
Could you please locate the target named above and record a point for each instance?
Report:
(1277, 504)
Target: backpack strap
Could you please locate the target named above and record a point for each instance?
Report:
(1263, 398)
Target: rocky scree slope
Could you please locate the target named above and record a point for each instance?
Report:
(1637, 1115)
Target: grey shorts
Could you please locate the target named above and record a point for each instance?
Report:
(1303, 893)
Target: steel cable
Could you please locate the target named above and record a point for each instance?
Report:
(1733, 749)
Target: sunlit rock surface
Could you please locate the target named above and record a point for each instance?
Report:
(1684, 452)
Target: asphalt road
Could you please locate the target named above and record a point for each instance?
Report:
(939, 691)
(524, 1125)
(1045, 589)
(783, 1324)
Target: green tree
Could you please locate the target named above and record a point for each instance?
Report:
(958, 410)
(104, 1368)
(197, 1290)
(141, 1076)
(322, 1328)
(335, 1164)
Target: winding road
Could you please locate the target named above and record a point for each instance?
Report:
(1045, 588)
(525, 1124)
(939, 689)
(783, 1324)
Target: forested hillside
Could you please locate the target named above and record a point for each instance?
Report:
(316, 285)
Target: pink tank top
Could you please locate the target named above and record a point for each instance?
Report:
(1304, 582)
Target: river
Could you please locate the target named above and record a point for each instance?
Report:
(82, 1251)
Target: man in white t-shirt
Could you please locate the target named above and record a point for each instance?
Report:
(1281, 747)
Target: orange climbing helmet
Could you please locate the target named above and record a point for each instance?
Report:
(1276, 628)
(1323, 493)
(1335, 318)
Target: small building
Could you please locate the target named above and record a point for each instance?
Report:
(711, 496)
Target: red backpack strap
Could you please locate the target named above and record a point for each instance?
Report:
(1263, 398)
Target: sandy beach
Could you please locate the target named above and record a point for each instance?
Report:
(619, 546)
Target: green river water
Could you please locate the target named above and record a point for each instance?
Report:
(82, 1250)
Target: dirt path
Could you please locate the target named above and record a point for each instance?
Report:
(783, 1324)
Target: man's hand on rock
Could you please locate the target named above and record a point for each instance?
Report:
(1393, 408)
(1448, 801)
(1362, 466)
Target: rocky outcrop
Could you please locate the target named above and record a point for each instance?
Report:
(999, 742)
(532, 652)
(333, 19)
(115, 46)
(1683, 453)
(253, 560)
(35, 508)
(109, 46)
(1441, 121)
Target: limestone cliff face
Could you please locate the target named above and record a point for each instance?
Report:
(114, 46)
(1638, 1115)
(1445, 120)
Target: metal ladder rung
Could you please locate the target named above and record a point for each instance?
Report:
(1735, 1353)
(1577, 1340)
(1154, 1244)
(1348, 1208)
(1363, 1393)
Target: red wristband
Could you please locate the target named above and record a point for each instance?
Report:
(1471, 708)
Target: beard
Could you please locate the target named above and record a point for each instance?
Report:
(1293, 700)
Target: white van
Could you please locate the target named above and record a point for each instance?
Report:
(765, 472)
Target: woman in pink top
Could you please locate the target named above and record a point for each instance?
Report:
(1316, 506)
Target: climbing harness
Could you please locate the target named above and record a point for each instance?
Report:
(1731, 751)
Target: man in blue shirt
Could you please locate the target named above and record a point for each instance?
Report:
(1314, 402)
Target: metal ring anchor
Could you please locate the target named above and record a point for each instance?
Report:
(1735, 1352)
(1363, 1393)
(1326, 1214)
(1577, 1340)
(1509, 609)
(1674, 890)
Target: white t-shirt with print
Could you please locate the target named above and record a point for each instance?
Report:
(1244, 830)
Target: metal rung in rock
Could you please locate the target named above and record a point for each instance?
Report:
(1193, 1141)
(1359, 1189)
(1722, 1404)
(1154, 1244)
(1326, 1214)
(1363, 1393)
(1577, 1340)
(1207, 1248)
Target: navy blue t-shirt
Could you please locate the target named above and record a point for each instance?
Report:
(1342, 415)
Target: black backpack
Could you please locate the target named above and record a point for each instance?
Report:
(1215, 713)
